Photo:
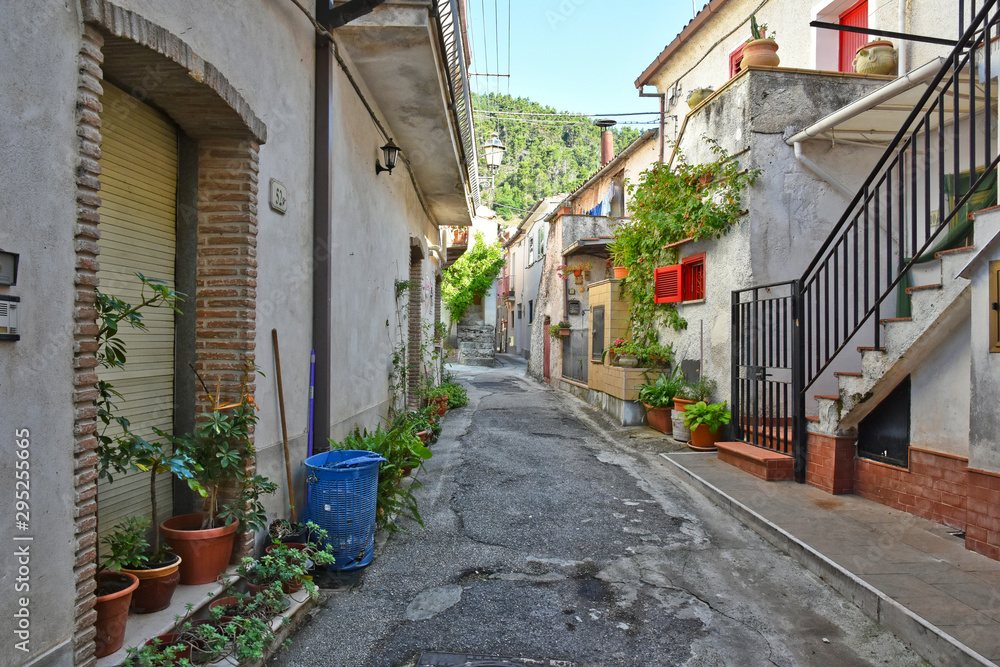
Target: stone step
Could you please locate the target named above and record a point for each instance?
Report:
(768, 465)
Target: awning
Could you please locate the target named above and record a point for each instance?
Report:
(876, 118)
(597, 247)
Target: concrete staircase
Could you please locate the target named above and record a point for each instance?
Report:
(937, 309)
(476, 345)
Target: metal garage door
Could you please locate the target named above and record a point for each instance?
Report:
(138, 217)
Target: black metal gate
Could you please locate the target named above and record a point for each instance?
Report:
(767, 379)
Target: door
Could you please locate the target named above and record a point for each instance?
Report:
(138, 223)
(850, 42)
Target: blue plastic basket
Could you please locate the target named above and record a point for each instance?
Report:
(343, 489)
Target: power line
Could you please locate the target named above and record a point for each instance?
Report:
(565, 113)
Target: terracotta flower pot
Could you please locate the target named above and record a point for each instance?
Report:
(620, 272)
(424, 436)
(112, 610)
(761, 53)
(156, 587)
(564, 332)
(877, 57)
(680, 404)
(440, 406)
(659, 419)
(204, 553)
(704, 440)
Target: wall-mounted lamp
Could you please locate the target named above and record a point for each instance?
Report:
(8, 267)
(390, 152)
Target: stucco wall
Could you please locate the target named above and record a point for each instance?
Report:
(984, 422)
(940, 397)
(39, 79)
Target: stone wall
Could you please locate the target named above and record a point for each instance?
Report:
(475, 345)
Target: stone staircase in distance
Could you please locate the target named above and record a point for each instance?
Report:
(476, 345)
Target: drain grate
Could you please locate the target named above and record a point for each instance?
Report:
(475, 660)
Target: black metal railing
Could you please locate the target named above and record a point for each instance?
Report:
(767, 368)
(938, 160)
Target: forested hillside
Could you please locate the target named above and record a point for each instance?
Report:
(545, 154)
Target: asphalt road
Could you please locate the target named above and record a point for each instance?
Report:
(555, 535)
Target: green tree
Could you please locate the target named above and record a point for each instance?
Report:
(544, 155)
(471, 276)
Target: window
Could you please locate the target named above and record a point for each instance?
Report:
(520, 311)
(736, 61)
(531, 251)
(693, 278)
(541, 241)
(850, 42)
(995, 308)
(531, 312)
(680, 282)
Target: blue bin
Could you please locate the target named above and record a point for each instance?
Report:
(343, 489)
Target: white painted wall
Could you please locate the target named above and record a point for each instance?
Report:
(984, 414)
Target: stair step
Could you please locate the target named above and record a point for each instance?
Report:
(827, 396)
(768, 465)
(852, 374)
(967, 248)
(911, 290)
(871, 349)
(896, 319)
(812, 418)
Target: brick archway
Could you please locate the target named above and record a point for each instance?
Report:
(158, 67)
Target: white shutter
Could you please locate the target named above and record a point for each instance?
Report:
(138, 217)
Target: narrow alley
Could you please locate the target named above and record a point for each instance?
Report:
(555, 535)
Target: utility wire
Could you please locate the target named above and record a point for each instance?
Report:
(566, 113)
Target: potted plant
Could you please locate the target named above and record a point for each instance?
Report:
(156, 569)
(623, 353)
(436, 396)
(656, 355)
(876, 57)
(658, 399)
(457, 396)
(559, 330)
(705, 420)
(220, 447)
(760, 50)
(114, 595)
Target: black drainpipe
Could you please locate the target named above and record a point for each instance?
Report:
(322, 224)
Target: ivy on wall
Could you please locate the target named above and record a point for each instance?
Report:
(471, 276)
(690, 201)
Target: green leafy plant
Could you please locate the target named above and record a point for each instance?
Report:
(669, 205)
(712, 415)
(433, 392)
(220, 447)
(657, 355)
(401, 448)
(128, 546)
(660, 392)
(555, 329)
(457, 395)
(471, 276)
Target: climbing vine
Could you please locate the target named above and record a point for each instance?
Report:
(689, 201)
(471, 276)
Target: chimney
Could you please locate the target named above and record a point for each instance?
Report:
(607, 140)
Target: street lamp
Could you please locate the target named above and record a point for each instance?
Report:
(390, 152)
(493, 151)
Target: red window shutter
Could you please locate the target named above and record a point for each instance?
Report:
(850, 42)
(736, 62)
(693, 277)
(668, 284)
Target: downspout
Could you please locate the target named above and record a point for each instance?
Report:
(322, 225)
(822, 173)
(902, 49)
(663, 117)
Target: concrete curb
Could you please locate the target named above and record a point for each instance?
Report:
(934, 645)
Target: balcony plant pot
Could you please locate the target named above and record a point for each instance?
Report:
(204, 552)
(697, 96)
(156, 585)
(628, 361)
(876, 57)
(564, 332)
(114, 595)
(760, 53)
(705, 440)
(659, 419)
(681, 433)
(161, 642)
(620, 272)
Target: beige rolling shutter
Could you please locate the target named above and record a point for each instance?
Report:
(138, 213)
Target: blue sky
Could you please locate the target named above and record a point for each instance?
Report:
(575, 55)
